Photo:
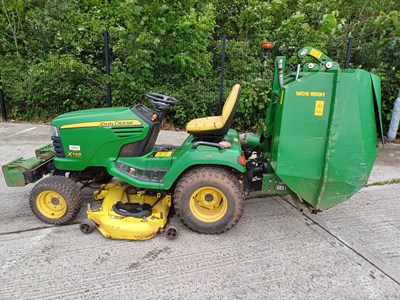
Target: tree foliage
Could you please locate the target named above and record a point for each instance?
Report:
(52, 52)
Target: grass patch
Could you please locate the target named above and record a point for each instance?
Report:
(391, 181)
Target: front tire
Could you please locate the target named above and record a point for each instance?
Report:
(209, 199)
(55, 200)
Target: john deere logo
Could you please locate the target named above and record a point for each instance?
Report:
(112, 123)
(119, 123)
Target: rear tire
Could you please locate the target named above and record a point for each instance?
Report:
(209, 199)
(56, 200)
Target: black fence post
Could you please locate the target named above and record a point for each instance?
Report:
(107, 61)
(2, 103)
(221, 83)
(348, 53)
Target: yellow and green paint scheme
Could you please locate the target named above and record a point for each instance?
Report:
(97, 138)
(319, 142)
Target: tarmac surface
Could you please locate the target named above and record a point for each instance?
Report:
(351, 251)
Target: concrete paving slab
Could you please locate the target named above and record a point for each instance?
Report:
(369, 224)
(387, 164)
(348, 252)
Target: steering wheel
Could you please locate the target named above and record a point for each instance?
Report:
(161, 101)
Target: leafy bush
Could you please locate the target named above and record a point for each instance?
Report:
(52, 53)
(47, 88)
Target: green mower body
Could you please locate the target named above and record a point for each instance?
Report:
(318, 144)
(122, 141)
(321, 135)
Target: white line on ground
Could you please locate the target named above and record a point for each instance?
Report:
(22, 131)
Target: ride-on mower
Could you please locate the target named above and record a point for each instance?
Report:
(318, 144)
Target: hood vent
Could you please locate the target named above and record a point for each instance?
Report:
(125, 132)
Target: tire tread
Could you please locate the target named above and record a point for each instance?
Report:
(65, 187)
(219, 174)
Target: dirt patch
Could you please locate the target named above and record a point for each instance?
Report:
(150, 256)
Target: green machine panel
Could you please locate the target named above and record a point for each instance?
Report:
(325, 135)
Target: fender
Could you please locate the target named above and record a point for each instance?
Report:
(168, 169)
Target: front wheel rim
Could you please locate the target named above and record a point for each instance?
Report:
(51, 204)
(208, 204)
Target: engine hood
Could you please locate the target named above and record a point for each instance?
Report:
(98, 117)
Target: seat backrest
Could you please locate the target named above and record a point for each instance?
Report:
(214, 128)
(229, 109)
(230, 104)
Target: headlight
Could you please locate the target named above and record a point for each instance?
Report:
(54, 131)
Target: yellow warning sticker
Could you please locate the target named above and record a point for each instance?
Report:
(163, 154)
(319, 108)
(315, 53)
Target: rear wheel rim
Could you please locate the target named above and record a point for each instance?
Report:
(51, 204)
(208, 204)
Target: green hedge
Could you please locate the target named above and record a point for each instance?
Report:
(52, 57)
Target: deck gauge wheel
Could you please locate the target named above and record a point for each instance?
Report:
(171, 232)
(87, 226)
